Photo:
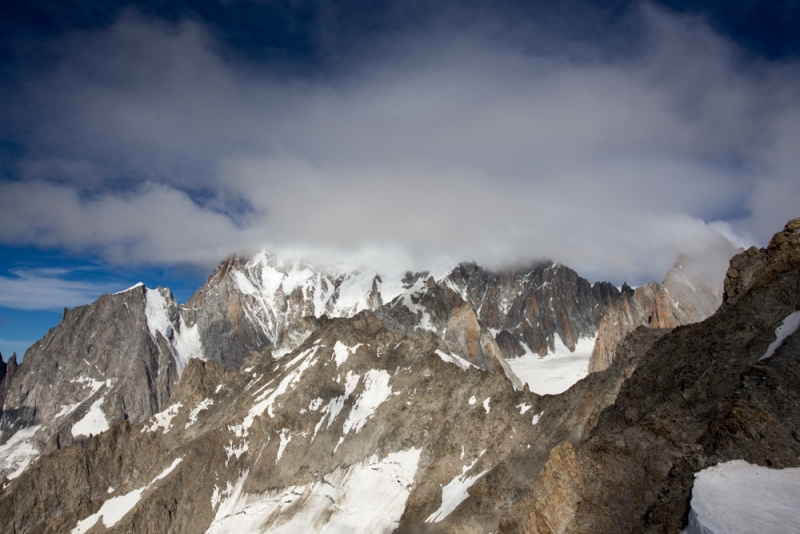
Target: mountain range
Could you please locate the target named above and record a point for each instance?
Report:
(287, 397)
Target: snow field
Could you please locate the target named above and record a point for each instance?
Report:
(787, 327)
(557, 371)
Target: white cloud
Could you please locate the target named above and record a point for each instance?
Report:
(475, 149)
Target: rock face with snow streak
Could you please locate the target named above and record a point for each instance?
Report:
(687, 295)
(116, 359)
(529, 307)
(260, 303)
(727, 388)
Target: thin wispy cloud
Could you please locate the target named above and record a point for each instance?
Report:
(47, 289)
(145, 144)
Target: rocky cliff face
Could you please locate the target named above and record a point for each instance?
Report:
(719, 390)
(689, 293)
(116, 359)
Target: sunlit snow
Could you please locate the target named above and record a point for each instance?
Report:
(376, 391)
(452, 358)
(204, 404)
(94, 422)
(286, 437)
(18, 452)
(342, 351)
(267, 399)
(184, 341)
(164, 419)
(455, 492)
(335, 405)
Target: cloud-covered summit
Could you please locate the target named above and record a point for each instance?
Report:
(148, 141)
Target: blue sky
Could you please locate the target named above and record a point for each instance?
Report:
(146, 141)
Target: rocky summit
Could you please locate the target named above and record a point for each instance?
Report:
(286, 397)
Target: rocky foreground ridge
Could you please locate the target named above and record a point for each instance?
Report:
(401, 412)
(727, 388)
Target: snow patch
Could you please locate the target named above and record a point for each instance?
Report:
(134, 286)
(367, 497)
(342, 351)
(18, 452)
(376, 391)
(94, 422)
(184, 341)
(452, 358)
(116, 508)
(455, 492)
(486, 402)
(737, 498)
(286, 437)
(267, 399)
(335, 405)
(235, 450)
(788, 327)
(523, 408)
(164, 419)
(204, 404)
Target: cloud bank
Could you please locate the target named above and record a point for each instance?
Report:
(145, 144)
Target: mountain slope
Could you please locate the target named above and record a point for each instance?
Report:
(408, 418)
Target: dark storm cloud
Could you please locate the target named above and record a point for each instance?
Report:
(500, 141)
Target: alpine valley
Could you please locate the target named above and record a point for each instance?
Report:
(286, 397)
